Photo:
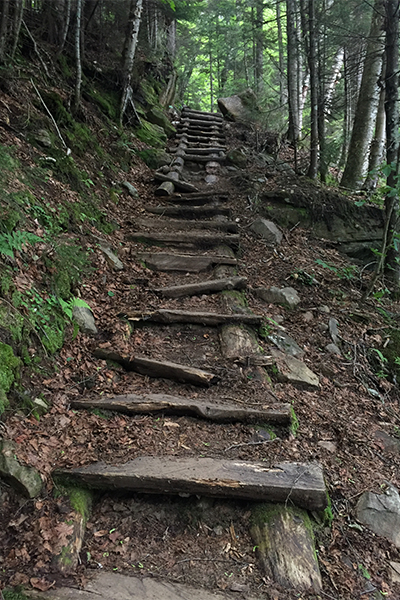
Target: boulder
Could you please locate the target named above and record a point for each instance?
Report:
(25, 480)
(387, 442)
(157, 117)
(381, 513)
(43, 138)
(155, 158)
(132, 191)
(394, 571)
(286, 344)
(333, 349)
(112, 259)
(237, 157)
(84, 317)
(286, 296)
(292, 370)
(268, 231)
(240, 107)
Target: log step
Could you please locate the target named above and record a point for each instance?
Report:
(205, 287)
(191, 122)
(193, 238)
(190, 212)
(157, 368)
(188, 263)
(299, 483)
(179, 185)
(213, 410)
(208, 319)
(228, 226)
(195, 111)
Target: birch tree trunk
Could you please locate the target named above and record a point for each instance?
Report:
(357, 159)
(135, 15)
(378, 143)
(292, 72)
(65, 26)
(78, 61)
(312, 63)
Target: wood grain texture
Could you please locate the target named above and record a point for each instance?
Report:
(205, 287)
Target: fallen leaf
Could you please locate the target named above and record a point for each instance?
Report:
(41, 584)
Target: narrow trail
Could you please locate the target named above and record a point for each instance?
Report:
(190, 237)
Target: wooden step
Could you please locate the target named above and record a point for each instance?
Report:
(157, 368)
(195, 111)
(208, 319)
(299, 483)
(193, 122)
(188, 263)
(212, 286)
(196, 149)
(193, 238)
(190, 212)
(179, 185)
(211, 409)
(191, 114)
(163, 223)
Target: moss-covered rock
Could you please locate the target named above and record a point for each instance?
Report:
(151, 134)
(9, 365)
(25, 480)
(156, 116)
(154, 158)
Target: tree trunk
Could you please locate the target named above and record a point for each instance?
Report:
(259, 45)
(78, 62)
(282, 85)
(4, 28)
(392, 137)
(378, 143)
(211, 78)
(65, 26)
(292, 72)
(367, 104)
(135, 16)
(18, 14)
(312, 60)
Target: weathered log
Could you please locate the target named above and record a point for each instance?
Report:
(202, 112)
(199, 149)
(213, 410)
(180, 185)
(199, 158)
(189, 212)
(187, 263)
(177, 162)
(167, 317)
(205, 287)
(202, 116)
(300, 483)
(165, 189)
(237, 341)
(68, 558)
(285, 546)
(189, 121)
(157, 368)
(193, 238)
(206, 138)
(182, 224)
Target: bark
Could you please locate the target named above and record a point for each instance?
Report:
(134, 21)
(213, 286)
(65, 26)
(3, 28)
(378, 143)
(211, 79)
(188, 263)
(259, 46)
(78, 61)
(292, 72)
(312, 64)
(18, 15)
(282, 85)
(367, 104)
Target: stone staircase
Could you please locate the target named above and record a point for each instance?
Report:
(191, 240)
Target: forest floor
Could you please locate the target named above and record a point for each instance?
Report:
(195, 540)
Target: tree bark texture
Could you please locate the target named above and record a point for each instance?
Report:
(356, 165)
(78, 62)
(135, 17)
(292, 72)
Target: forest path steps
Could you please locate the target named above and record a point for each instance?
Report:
(222, 356)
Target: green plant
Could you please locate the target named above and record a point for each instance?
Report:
(9, 242)
(348, 272)
(294, 425)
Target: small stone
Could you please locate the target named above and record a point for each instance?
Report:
(324, 309)
(333, 349)
(381, 513)
(387, 442)
(211, 179)
(268, 231)
(84, 317)
(237, 157)
(334, 330)
(394, 571)
(284, 342)
(308, 316)
(286, 296)
(25, 480)
(43, 138)
(329, 446)
(279, 319)
(323, 327)
(292, 370)
(112, 258)
(239, 587)
(218, 530)
(131, 190)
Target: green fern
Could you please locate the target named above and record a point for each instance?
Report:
(15, 240)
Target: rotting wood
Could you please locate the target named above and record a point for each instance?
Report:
(157, 368)
(299, 483)
(188, 263)
(180, 224)
(180, 185)
(68, 560)
(166, 316)
(237, 341)
(193, 238)
(190, 212)
(165, 189)
(211, 409)
(205, 287)
(285, 546)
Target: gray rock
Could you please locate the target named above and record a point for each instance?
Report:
(334, 330)
(308, 316)
(329, 446)
(43, 138)
(211, 179)
(84, 317)
(112, 258)
(324, 309)
(333, 349)
(284, 342)
(240, 107)
(237, 157)
(394, 571)
(25, 480)
(381, 513)
(387, 442)
(285, 296)
(131, 190)
(268, 231)
(156, 116)
(285, 168)
(292, 370)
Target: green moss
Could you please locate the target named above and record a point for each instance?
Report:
(151, 134)
(81, 501)
(237, 296)
(14, 594)
(12, 322)
(294, 425)
(106, 100)
(9, 365)
(148, 91)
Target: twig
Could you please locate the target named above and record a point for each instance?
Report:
(35, 48)
(299, 476)
(251, 444)
(52, 118)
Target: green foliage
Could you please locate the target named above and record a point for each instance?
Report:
(151, 134)
(81, 501)
(294, 422)
(9, 242)
(9, 365)
(348, 272)
(14, 594)
(68, 307)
